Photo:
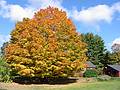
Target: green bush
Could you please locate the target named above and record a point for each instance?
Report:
(5, 75)
(103, 78)
(99, 71)
(90, 73)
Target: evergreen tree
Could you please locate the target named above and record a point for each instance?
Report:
(95, 48)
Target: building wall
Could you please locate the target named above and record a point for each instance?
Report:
(112, 72)
(118, 74)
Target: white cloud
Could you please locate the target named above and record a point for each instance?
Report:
(38, 4)
(116, 41)
(17, 13)
(93, 14)
(96, 14)
(46, 3)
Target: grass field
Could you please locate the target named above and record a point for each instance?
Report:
(111, 85)
(104, 85)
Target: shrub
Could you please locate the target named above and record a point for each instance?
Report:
(103, 78)
(90, 73)
(99, 71)
(4, 71)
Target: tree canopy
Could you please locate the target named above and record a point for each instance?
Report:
(46, 46)
(95, 48)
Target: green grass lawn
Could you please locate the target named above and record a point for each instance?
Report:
(104, 85)
(111, 85)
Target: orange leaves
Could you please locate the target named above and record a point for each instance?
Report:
(10, 49)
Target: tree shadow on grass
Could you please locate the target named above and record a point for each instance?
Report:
(36, 80)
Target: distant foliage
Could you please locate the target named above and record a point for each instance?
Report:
(103, 78)
(115, 58)
(116, 47)
(90, 73)
(111, 58)
(46, 46)
(5, 75)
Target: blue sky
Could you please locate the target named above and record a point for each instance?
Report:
(100, 17)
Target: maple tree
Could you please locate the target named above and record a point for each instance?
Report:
(46, 46)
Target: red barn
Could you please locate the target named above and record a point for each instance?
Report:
(113, 70)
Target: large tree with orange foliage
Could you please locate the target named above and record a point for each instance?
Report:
(46, 46)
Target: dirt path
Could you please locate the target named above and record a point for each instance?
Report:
(16, 86)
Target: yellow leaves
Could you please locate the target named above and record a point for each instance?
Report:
(55, 69)
(21, 52)
(40, 66)
(41, 63)
(26, 61)
(64, 75)
(26, 72)
(18, 67)
(19, 60)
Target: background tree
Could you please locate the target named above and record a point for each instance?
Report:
(2, 52)
(115, 58)
(112, 57)
(46, 46)
(115, 54)
(107, 59)
(116, 47)
(95, 48)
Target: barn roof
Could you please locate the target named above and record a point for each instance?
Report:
(90, 65)
(116, 67)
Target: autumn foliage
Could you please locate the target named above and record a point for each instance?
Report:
(46, 46)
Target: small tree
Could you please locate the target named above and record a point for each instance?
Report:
(5, 75)
(46, 46)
